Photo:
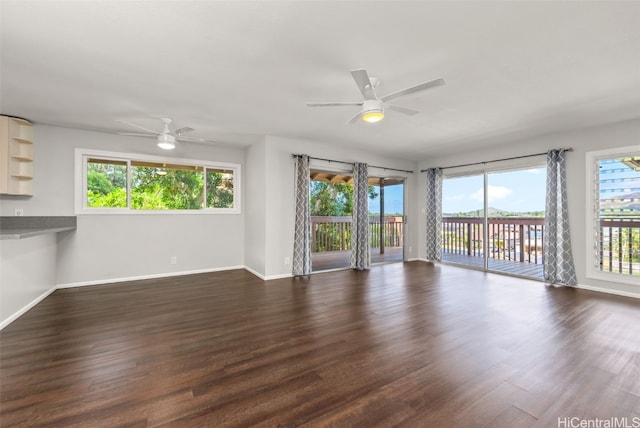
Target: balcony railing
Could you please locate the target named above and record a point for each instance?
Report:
(619, 246)
(521, 240)
(334, 233)
(518, 239)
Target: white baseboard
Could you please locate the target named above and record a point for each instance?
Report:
(608, 291)
(30, 305)
(281, 276)
(254, 272)
(267, 277)
(141, 277)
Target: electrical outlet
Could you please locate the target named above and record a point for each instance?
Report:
(410, 248)
(174, 260)
(18, 212)
(287, 260)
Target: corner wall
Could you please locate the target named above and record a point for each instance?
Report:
(27, 274)
(255, 188)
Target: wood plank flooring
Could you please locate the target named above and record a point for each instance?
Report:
(342, 259)
(507, 266)
(406, 344)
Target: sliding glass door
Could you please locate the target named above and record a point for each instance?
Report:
(494, 220)
(386, 219)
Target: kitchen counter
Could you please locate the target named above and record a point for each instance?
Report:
(25, 227)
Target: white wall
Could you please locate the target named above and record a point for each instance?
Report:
(255, 187)
(279, 208)
(27, 274)
(597, 138)
(111, 247)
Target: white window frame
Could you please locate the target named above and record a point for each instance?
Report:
(80, 178)
(591, 164)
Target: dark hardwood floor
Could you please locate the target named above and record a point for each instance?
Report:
(406, 344)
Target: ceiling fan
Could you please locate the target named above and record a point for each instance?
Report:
(166, 138)
(373, 106)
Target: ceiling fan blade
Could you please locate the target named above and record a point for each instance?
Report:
(364, 83)
(194, 139)
(139, 127)
(332, 104)
(183, 130)
(354, 119)
(135, 134)
(411, 90)
(404, 110)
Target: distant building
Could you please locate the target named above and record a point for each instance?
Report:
(619, 185)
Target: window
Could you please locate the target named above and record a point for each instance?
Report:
(614, 215)
(121, 183)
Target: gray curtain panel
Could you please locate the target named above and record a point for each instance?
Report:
(558, 261)
(360, 255)
(434, 214)
(302, 235)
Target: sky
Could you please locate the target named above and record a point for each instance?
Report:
(508, 191)
(393, 200)
(516, 191)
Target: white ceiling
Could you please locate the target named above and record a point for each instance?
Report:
(237, 70)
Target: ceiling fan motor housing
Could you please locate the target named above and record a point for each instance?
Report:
(166, 141)
(372, 110)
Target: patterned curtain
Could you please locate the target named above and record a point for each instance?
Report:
(360, 255)
(302, 235)
(434, 214)
(558, 261)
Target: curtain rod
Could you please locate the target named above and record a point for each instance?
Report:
(351, 163)
(499, 160)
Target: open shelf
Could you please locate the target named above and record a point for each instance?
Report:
(16, 156)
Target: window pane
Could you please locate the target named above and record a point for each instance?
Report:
(156, 186)
(515, 222)
(619, 215)
(219, 188)
(463, 220)
(106, 183)
(330, 207)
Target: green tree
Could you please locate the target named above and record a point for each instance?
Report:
(219, 190)
(117, 198)
(157, 188)
(98, 182)
(176, 189)
(115, 173)
(333, 199)
(106, 185)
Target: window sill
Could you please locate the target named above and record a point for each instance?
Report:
(124, 211)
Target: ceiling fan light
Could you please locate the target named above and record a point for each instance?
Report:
(373, 116)
(166, 141)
